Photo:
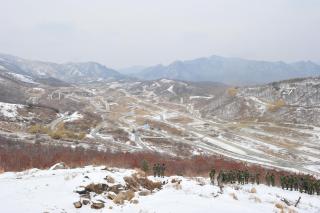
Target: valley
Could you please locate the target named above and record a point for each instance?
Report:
(171, 117)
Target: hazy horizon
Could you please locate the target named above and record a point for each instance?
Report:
(124, 34)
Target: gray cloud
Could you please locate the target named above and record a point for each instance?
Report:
(124, 33)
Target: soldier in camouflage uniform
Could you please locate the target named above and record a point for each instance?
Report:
(258, 178)
(301, 184)
(268, 179)
(154, 168)
(318, 187)
(158, 168)
(252, 178)
(211, 175)
(296, 183)
(272, 179)
(219, 178)
(242, 177)
(162, 169)
(282, 181)
(238, 177)
(246, 176)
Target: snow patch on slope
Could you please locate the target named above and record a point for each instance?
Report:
(170, 89)
(9, 110)
(73, 117)
(23, 78)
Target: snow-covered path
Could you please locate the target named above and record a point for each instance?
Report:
(53, 191)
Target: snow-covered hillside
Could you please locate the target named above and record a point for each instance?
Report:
(9, 110)
(68, 72)
(55, 191)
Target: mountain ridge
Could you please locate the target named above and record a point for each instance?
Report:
(70, 72)
(236, 71)
(227, 70)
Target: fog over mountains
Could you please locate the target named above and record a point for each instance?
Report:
(232, 71)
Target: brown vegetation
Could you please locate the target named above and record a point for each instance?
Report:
(275, 106)
(166, 127)
(232, 91)
(59, 133)
(38, 129)
(83, 125)
(28, 156)
(181, 120)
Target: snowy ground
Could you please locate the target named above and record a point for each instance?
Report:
(53, 191)
(23, 78)
(9, 110)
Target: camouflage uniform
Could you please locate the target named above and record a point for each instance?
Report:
(242, 177)
(246, 176)
(211, 175)
(258, 178)
(219, 178)
(268, 178)
(295, 183)
(238, 177)
(272, 179)
(282, 181)
(154, 168)
(158, 169)
(163, 168)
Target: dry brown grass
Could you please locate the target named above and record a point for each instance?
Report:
(117, 133)
(38, 128)
(253, 190)
(232, 91)
(276, 105)
(173, 106)
(141, 112)
(62, 133)
(286, 132)
(279, 205)
(163, 126)
(46, 115)
(10, 126)
(150, 107)
(181, 120)
(281, 142)
(140, 120)
(82, 125)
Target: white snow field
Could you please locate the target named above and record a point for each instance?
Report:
(53, 191)
(9, 110)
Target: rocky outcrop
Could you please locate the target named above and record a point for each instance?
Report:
(136, 184)
(77, 204)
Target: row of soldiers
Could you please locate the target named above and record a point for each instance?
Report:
(240, 176)
(158, 170)
(302, 184)
(270, 179)
(298, 183)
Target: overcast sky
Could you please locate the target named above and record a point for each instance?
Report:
(123, 33)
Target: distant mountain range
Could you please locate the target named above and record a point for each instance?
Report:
(131, 70)
(235, 71)
(232, 71)
(68, 72)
